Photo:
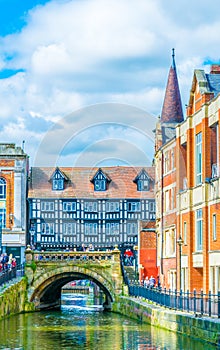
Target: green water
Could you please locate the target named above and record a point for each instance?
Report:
(81, 326)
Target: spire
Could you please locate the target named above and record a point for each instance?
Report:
(172, 106)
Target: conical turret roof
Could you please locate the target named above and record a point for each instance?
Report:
(172, 106)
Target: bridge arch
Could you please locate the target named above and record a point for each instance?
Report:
(47, 289)
(48, 272)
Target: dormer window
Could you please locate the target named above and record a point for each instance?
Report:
(100, 181)
(58, 179)
(142, 181)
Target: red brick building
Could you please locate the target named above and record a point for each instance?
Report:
(187, 185)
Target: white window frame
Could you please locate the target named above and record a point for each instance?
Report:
(69, 206)
(91, 228)
(198, 161)
(199, 230)
(214, 227)
(112, 228)
(112, 206)
(134, 206)
(91, 206)
(47, 228)
(47, 206)
(69, 228)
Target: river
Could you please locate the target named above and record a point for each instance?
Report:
(81, 325)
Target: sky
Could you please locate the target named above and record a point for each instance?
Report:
(82, 82)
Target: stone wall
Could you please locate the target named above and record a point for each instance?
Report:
(203, 328)
(14, 300)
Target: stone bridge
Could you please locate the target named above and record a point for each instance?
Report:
(48, 272)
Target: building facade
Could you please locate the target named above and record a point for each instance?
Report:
(198, 189)
(187, 186)
(13, 194)
(99, 206)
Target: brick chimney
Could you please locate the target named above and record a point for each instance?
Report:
(215, 69)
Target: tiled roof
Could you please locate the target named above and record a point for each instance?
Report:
(80, 186)
(172, 106)
(214, 83)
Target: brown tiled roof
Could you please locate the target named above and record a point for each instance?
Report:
(172, 107)
(80, 185)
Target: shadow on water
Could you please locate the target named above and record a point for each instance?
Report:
(81, 324)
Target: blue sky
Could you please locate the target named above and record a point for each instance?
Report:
(70, 60)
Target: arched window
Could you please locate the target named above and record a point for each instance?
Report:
(2, 202)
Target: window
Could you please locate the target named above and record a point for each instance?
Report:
(167, 201)
(152, 206)
(132, 228)
(198, 158)
(170, 243)
(100, 185)
(58, 184)
(2, 188)
(143, 185)
(172, 160)
(166, 162)
(214, 227)
(185, 232)
(69, 206)
(47, 206)
(2, 202)
(199, 235)
(134, 206)
(112, 206)
(47, 228)
(91, 228)
(112, 228)
(90, 206)
(69, 228)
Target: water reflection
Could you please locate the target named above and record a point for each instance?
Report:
(79, 326)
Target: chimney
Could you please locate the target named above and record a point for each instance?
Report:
(215, 69)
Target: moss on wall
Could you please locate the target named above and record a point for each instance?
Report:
(13, 299)
(203, 328)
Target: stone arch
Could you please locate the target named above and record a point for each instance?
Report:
(46, 289)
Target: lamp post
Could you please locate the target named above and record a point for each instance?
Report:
(180, 243)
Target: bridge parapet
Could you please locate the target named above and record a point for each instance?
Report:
(96, 256)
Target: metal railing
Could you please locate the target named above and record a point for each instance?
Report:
(198, 303)
(9, 274)
(195, 302)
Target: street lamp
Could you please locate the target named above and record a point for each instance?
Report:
(180, 243)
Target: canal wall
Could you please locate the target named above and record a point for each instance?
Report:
(13, 299)
(203, 328)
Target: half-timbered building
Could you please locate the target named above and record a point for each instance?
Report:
(98, 206)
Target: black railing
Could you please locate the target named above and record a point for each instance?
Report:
(9, 274)
(198, 303)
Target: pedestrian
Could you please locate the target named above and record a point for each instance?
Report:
(146, 282)
(5, 261)
(152, 282)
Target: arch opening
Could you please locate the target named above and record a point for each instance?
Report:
(48, 294)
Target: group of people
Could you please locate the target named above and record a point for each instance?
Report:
(7, 262)
(151, 282)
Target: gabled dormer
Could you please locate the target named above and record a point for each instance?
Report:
(143, 181)
(58, 178)
(100, 181)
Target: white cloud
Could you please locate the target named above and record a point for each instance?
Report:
(79, 53)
